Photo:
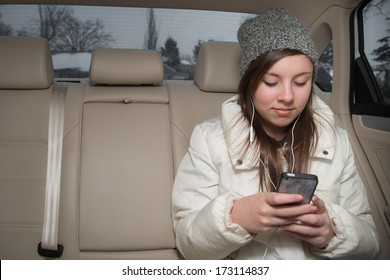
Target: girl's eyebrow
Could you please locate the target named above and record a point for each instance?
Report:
(295, 76)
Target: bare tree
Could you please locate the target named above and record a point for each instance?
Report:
(65, 32)
(151, 34)
(5, 29)
(376, 6)
(82, 36)
(51, 20)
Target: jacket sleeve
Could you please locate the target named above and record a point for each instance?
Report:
(201, 214)
(356, 235)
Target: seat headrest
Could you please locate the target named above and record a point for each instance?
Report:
(126, 67)
(26, 63)
(218, 67)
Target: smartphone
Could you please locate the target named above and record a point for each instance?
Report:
(302, 183)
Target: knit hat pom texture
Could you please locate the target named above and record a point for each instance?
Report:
(276, 29)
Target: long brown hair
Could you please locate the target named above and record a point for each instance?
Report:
(305, 131)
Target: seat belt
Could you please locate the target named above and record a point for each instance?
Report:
(49, 247)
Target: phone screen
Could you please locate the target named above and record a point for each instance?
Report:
(301, 183)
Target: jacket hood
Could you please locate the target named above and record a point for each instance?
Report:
(236, 131)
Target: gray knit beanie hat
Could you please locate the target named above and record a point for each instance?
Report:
(276, 29)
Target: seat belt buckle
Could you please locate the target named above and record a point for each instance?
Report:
(50, 254)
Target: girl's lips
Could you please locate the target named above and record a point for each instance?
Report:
(283, 112)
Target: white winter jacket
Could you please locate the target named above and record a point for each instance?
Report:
(213, 174)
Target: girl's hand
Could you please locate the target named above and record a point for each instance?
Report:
(314, 228)
(263, 212)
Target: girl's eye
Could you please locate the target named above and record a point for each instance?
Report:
(300, 84)
(270, 84)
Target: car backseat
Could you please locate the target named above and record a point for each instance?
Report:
(125, 169)
(125, 132)
(26, 81)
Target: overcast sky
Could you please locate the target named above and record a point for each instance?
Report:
(128, 25)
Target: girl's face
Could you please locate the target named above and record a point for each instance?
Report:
(283, 92)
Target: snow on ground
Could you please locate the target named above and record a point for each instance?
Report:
(79, 61)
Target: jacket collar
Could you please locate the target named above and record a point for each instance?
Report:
(236, 131)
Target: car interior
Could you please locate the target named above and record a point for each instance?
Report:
(115, 138)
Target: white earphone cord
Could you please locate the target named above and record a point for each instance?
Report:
(251, 138)
(292, 144)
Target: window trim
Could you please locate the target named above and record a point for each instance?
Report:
(365, 95)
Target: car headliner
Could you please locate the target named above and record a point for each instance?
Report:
(299, 7)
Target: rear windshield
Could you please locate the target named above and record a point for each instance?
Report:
(75, 31)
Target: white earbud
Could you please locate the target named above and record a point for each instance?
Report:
(251, 134)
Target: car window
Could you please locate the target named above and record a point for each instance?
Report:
(74, 31)
(324, 78)
(376, 29)
(370, 73)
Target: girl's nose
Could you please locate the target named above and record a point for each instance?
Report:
(286, 95)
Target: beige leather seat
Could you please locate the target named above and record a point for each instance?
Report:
(125, 133)
(123, 199)
(26, 79)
